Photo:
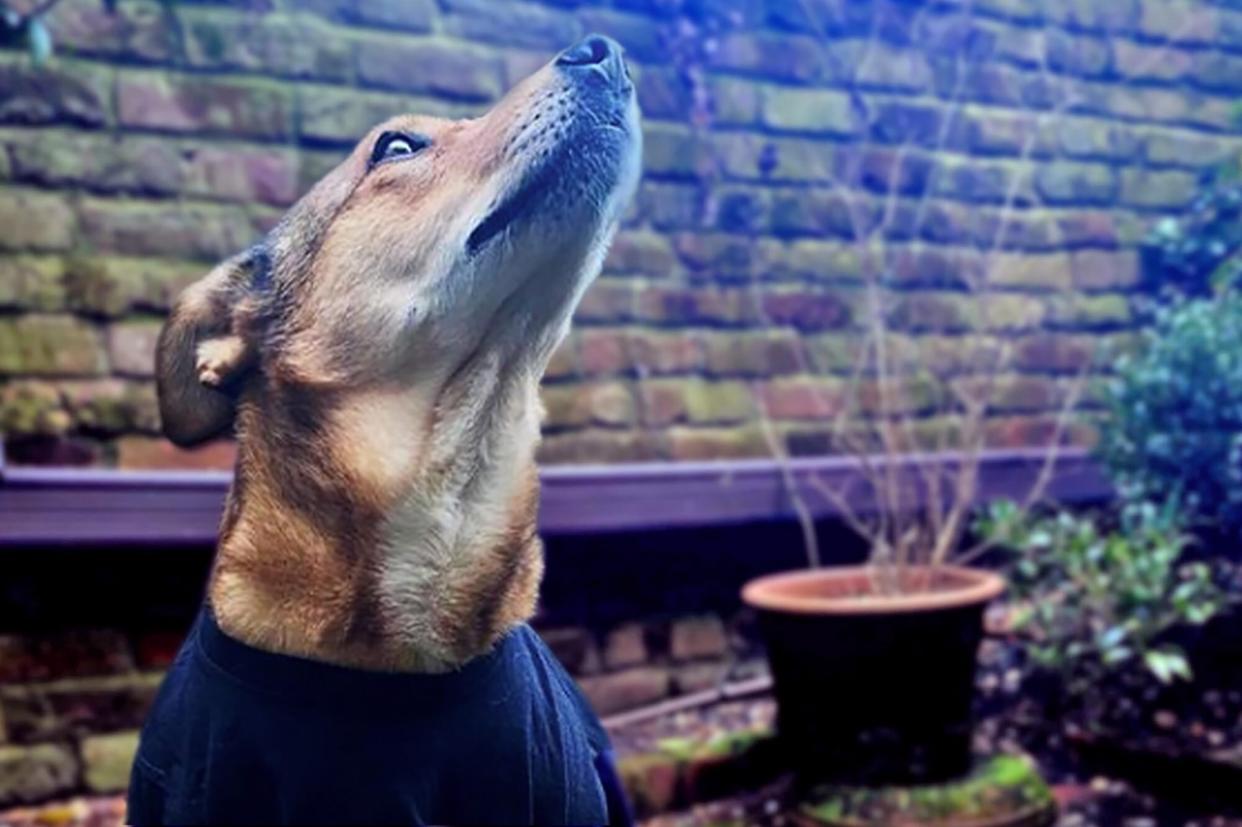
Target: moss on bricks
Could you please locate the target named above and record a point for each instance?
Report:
(50, 345)
(1003, 785)
(810, 110)
(31, 283)
(32, 408)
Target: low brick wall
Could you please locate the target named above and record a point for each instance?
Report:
(166, 136)
(72, 702)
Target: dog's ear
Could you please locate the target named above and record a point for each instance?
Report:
(206, 350)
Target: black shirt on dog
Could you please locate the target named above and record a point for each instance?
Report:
(242, 736)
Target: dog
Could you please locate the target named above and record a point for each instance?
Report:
(363, 653)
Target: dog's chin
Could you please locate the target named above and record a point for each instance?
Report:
(566, 193)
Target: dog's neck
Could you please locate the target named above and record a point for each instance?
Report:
(388, 529)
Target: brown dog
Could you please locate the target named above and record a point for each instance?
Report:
(380, 353)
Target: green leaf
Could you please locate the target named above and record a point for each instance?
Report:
(1116, 655)
(39, 39)
(1112, 637)
(1167, 665)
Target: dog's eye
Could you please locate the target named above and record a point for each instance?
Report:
(393, 146)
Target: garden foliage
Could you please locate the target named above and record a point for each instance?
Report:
(1200, 253)
(1173, 427)
(1093, 603)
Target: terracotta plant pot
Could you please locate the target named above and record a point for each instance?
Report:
(874, 688)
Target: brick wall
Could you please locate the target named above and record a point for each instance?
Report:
(72, 702)
(166, 136)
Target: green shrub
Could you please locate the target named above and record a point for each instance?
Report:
(1200, 252)
(1090, 605)
(1173, 429)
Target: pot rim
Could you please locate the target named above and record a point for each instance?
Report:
(771, 593)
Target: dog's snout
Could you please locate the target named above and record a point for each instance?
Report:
(599, 61)
(592, 50)
(596, 56)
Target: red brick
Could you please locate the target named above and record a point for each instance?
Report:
(410, 15)
(243, 174)
(508, 24)
(652, 781)
(37, 772)
(1105, 270)
(727, 258)
(1035, 431)
(427, 66)
(152, 453)
(111, 405)
(601, 403)
(664, 353)
(698, 637)
(35, 221)
(597, 445)
(157, 650)
(607, 301)
(44, 711)
(1057, 353)
(32, 657)
(683, 306)
(807, 311)
(564, 361)
(138, 30)
(718, 443)
(603, 352)
(131, 347)
(1089, 228)
(803, 399)
(289, 45)
(761, 354)
(663, 403)
(625, 690)
(205, 232)
(625, 646)
(696, 677)
(204, 105)
(642, 253)
(58, 92)
(50, 345)
(574, 647)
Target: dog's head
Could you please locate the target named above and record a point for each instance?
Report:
(433, 243)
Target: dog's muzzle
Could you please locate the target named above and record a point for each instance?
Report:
(597, 59)
(593, 139)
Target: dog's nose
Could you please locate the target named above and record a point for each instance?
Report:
(592, 50)
(596, 54)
